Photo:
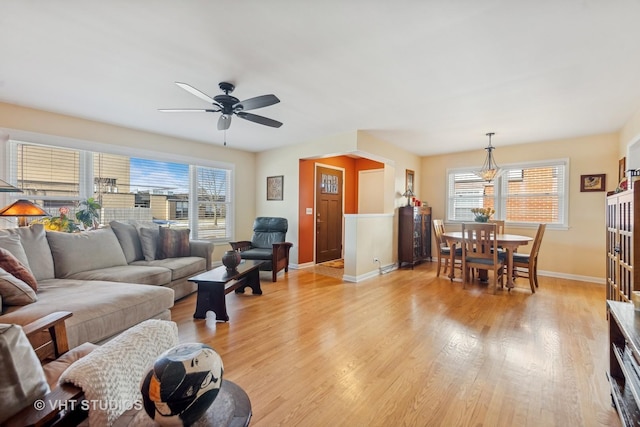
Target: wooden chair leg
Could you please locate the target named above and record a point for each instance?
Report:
(531, 283)
(439, 264)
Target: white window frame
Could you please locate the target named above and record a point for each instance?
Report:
(86, 149)
(500, 185)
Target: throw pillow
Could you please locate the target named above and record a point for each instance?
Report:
(149, 241)
(22, 380)
(13, 244)
(14, 291)
(11, 265)
(34, 241)
(173, 243)
(129, 240)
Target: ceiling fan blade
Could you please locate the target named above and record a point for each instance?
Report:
(258, 102)
(187, 110)
(259, 119)
(224, 122)
(192, 90)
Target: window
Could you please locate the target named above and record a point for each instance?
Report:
(522, 194)
(127, 187)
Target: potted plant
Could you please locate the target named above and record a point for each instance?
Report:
(89, 214)
(60, 223)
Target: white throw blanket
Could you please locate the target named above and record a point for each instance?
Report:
(110, 375)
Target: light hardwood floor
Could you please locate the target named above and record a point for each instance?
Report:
(409, 349)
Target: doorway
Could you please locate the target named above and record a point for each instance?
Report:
(328, 214)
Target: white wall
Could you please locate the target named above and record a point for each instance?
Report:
(86, 133)
(370, 198)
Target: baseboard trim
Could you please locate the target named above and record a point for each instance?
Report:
(373, 273)
(590, 279)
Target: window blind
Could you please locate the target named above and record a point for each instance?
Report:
(127, 187)
(526, 193)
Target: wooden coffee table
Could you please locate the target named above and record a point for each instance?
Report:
(214, 284)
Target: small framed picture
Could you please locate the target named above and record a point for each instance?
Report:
(274, 187)
(592, 182)
(410, 175)
(622, 169)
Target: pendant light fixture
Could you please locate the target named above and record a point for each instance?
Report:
(490, 169)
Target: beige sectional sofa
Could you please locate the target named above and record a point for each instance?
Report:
(110, 279)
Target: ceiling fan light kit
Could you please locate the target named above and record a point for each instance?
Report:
(229, 106)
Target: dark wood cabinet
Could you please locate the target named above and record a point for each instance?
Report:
(624, 361)
(414, 235)
(623, 211)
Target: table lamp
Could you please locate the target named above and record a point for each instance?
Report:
(408, 194)
(22, 209)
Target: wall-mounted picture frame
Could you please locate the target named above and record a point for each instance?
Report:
(410, 177)
(622, 169)
(592, 182)
(275, 186)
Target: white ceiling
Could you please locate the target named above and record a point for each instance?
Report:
(431, 76)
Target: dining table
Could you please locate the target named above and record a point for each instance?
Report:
(508, 242)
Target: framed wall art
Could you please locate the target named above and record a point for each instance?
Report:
(592, 182)
(274, 187)
(409, 181)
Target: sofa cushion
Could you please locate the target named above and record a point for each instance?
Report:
(22, 380)
(12, 243)
(11, 265)
(100, 309)
(85, 251)
(173, 242)
(129, 240)
(179, 267)
(149, 241)
(258, 254)
(34, 241)
(14, 291)
(127, 274)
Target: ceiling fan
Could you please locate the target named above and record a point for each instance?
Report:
(229, 105)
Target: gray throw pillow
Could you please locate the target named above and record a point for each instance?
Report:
(22, 380)
(149, 240)
(34, 241)
(129, 240)
(12, 243)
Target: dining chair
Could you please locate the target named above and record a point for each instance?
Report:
(480, 251)
(499, 225)
(526, 265)
(444, 251)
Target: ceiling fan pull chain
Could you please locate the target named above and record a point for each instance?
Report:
(225, 137)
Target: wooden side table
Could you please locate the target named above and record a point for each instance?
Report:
(232, 408)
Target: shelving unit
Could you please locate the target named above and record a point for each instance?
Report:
(621, 240)
(624, 361)
(414, 235)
